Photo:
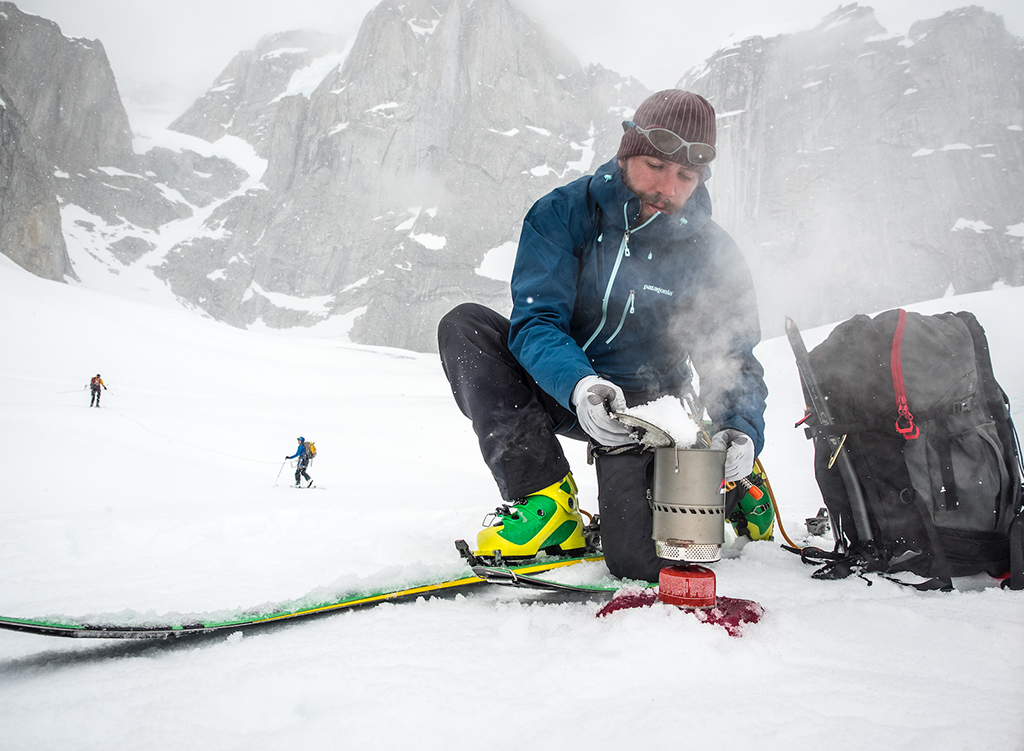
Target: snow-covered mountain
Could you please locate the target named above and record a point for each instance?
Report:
(380, 181)
(391, 176)
(861, 168)
(78, 200)
(245, 97)
(369, 184)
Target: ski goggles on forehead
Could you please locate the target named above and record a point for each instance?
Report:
(668, 143)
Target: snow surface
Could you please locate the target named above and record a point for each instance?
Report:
(317, 305)
(164, 500)
(429, 241)
(976, 225)
(498, 262)
(306, 80)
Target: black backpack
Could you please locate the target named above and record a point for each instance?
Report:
(917, 409)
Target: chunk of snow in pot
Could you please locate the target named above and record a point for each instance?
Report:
(668, 413)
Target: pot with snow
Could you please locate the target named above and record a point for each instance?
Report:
(688, 501)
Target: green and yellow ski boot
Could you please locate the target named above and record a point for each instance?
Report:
(754, 516)
(547, 520)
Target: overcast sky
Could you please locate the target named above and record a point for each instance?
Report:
(184, 44)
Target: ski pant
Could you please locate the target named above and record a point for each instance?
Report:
(95, 401)
(300, 469)
(517, 424)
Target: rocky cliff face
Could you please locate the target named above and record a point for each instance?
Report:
(245, 97)
(379, 181)
(67, 143)
(30, 229)
(70, 100)
(411, 159)
(71, 176)
(860, 170)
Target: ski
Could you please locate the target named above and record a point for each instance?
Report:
(90, 629)
(512, 577)
(98, 629)
(521, 574)
(729, 612)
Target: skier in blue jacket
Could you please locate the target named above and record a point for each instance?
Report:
(303, 455)
(621, 281)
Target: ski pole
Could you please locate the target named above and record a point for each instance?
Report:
(279, 472)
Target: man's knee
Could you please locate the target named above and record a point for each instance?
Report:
(468, 330)
(462, 317)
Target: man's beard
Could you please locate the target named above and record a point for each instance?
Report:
(650, 198)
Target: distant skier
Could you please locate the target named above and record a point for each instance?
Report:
(95, 385)
(304, 453)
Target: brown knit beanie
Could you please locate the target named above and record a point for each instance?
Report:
(688, 115)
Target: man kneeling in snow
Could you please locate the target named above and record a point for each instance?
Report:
(621, 278)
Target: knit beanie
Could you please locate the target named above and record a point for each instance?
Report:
(690, 116)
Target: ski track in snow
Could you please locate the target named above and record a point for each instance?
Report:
(164, 500)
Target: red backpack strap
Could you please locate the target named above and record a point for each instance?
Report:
(909, 430)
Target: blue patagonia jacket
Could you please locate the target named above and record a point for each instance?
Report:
(590, 297)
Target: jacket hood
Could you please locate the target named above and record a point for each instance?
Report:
(611, 193)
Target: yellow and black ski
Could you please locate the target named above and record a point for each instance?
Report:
(173, 626)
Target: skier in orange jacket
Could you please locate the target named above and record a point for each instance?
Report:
(95, 385)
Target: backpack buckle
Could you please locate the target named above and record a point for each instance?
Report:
(961, 407)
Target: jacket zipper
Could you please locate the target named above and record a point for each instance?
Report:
(623, 253)
(628, 309)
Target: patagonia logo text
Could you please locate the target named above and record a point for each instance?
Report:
(659, 290)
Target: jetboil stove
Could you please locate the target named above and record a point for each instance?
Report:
(688, 505)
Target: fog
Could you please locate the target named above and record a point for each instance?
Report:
(166, 54)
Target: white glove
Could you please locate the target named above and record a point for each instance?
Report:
(739, 452)
(595, 399)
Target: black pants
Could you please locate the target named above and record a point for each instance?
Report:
(95, 401)
(300, 469)
(516, 423)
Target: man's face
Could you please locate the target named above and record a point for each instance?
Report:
(662, 185)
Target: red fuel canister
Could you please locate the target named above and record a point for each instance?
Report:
(687, 586)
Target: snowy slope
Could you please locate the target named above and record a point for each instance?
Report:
(164, 500)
